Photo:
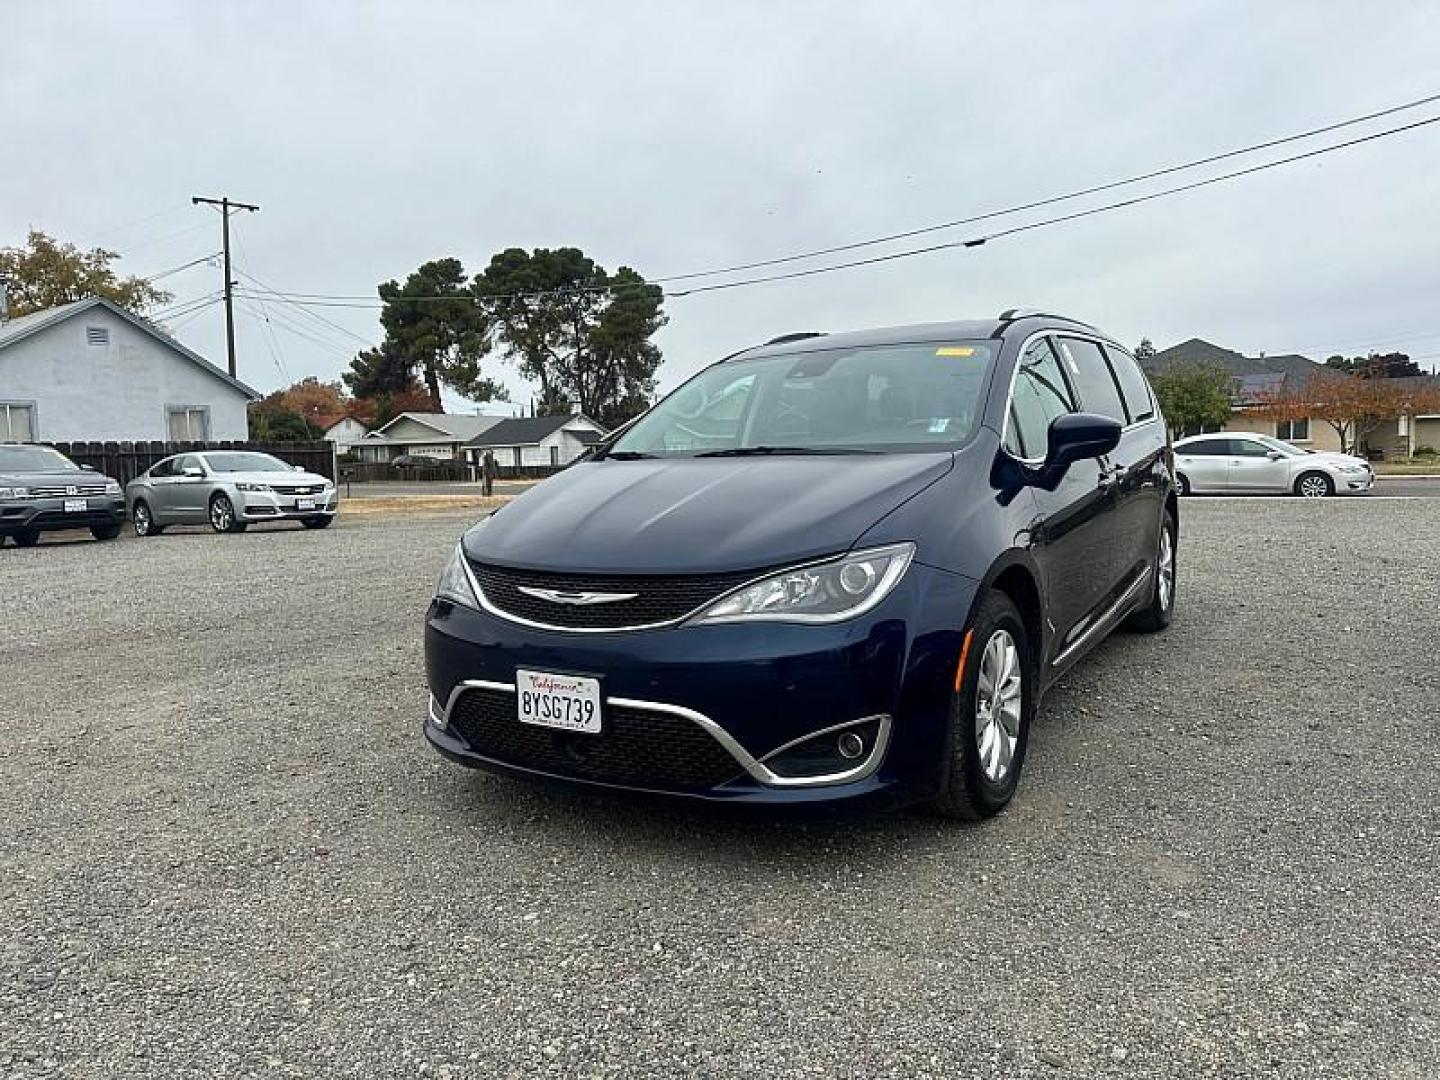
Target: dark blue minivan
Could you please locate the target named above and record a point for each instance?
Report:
(832, 567)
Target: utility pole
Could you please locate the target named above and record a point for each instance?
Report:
(225, 206)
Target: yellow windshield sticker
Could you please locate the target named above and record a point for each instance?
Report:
(954, 350)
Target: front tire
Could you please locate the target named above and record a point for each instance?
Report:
(1183, 483)
(27, 538)
(1155, 616)
(1314, 485)
(990, 713)
(142, 520)
(105, 532)
(222, 516)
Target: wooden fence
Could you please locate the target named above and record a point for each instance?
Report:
(126, 460)
(368, 472)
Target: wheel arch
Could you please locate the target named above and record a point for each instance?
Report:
(1015, 575)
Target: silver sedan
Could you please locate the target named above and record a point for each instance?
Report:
(1239, 461)
(231, 489)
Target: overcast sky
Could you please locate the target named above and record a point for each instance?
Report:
(679, 136)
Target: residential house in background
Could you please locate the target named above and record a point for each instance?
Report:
(423, 434)
(92, 371)
(536, 441)
(343, 432)
(1256, 378)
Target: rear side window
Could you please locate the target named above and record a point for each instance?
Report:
(1133, 387)
(1205, 448)
(1040, 395)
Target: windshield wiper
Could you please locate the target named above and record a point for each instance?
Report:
(627, 455)
(758, 451)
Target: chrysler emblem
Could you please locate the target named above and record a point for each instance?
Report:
(72, 491)
(576, 599)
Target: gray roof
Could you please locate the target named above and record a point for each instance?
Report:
(459, 426)
(15, 330)
(524, 430)
(1199, 351)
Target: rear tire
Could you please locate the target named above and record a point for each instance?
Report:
(143, 520)
(27, 538)
(990, 714)
(1155, 616)
(1182, 483)
(316, 522)
(105, 532)
(1314, 485)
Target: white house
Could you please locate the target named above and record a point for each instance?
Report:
(437, 435)
(343, 432)
(92, 371)
(530, 441)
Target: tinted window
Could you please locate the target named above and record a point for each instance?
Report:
(1041, 394)
(1133, 387)
(1205, 448)
(1095, 386)
(164, 468)
(1248, 448)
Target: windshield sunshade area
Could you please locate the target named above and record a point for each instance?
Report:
(242, 462)
(887, 398)
(34, 459)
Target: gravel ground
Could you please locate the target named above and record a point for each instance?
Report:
(227, 851)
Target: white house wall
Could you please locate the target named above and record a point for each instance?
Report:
(119, 391)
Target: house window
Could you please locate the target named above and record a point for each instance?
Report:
(554, 455)
(517, 457)
(1293, 430)
(188, 423)
(97, 335)
(17, 422)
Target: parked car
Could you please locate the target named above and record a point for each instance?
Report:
(418, 461)
(1238, 461)
(42, 490)
(854, 584)
(231, 489)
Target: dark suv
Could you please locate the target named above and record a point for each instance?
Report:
(41, 490)
(833, 567)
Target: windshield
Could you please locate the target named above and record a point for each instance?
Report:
(1283, 446)
(34, 459)
(245, 463)
(878, 398)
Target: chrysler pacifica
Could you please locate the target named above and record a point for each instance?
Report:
(831, 567)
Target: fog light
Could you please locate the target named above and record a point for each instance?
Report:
(850, 745)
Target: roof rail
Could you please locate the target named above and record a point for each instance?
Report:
(1012, 314)
(785, 339)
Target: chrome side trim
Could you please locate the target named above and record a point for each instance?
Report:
(755, 768)
(1106, 620)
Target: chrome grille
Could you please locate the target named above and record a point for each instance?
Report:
(74, 491)
(657, 598)
(303, 489)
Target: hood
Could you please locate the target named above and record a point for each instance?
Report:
(1334, 457)
(288, 479)
(697, 515)
(82, 479)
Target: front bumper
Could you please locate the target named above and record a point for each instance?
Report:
(49, 514)
(268, 506)
(771, 700)
(1354, 483)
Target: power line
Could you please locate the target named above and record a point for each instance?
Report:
(280, 297)
(1052, 200)
(360, 300)
(182, 266)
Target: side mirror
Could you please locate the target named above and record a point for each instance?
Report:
(194, 472)
(88, 468)
(297, 468)
(1274, 455)
(1077, 437)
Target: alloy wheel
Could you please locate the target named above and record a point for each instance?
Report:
(997, 705)
(222, 515)
(1165, 567)
(1314, 487)
(140, 517)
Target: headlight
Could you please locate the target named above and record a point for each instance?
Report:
(14, 492)
(1354, 468)
(821, 593)
(253, 487)
(454, 584)
(329, 485)
(112, 487)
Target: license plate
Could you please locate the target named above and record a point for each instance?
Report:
(76, 506)
(564, 702)
(304, 504)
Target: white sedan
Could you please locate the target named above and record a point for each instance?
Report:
(1240, 462)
